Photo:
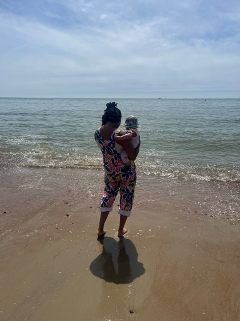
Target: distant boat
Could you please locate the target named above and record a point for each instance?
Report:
(159, 98)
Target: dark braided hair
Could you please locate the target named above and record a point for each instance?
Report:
(111, 113)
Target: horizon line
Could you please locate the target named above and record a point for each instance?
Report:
(158, 98)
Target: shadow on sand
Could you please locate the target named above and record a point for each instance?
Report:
(118, 261)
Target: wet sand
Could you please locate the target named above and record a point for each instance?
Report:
(180, 259)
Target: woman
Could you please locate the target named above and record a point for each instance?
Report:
(117, 176)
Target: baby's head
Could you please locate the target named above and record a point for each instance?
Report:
(131, 122)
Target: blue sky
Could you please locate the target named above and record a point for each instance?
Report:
(145, 48)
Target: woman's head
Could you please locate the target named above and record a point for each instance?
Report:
(112, 114)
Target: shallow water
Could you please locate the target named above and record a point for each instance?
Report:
(191, 139)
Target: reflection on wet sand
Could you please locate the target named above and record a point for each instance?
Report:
(118, 261)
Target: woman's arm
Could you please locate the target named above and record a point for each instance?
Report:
(128, 147)
(125, 136)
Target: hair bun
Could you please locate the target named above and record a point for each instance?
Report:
(111, 113)
(111, 104)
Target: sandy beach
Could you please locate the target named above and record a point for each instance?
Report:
(180, 259)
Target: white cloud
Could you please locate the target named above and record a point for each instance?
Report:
(103, 16)
(87, 6)
(107, 50)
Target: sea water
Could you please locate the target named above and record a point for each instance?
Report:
(193, 139)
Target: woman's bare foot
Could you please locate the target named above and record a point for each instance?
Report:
(122, 232)
(101, 233)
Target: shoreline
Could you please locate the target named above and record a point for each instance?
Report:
(165, 169)
(179, 260)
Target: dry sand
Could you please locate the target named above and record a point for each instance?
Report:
(179, 261)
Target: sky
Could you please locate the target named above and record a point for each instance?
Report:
(126, 48)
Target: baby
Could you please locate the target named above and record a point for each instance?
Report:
(131, 125)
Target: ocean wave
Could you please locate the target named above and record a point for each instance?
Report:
(145, 166)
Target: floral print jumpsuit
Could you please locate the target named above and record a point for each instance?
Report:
(116, 178)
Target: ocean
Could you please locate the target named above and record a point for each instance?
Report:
(190, 139)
